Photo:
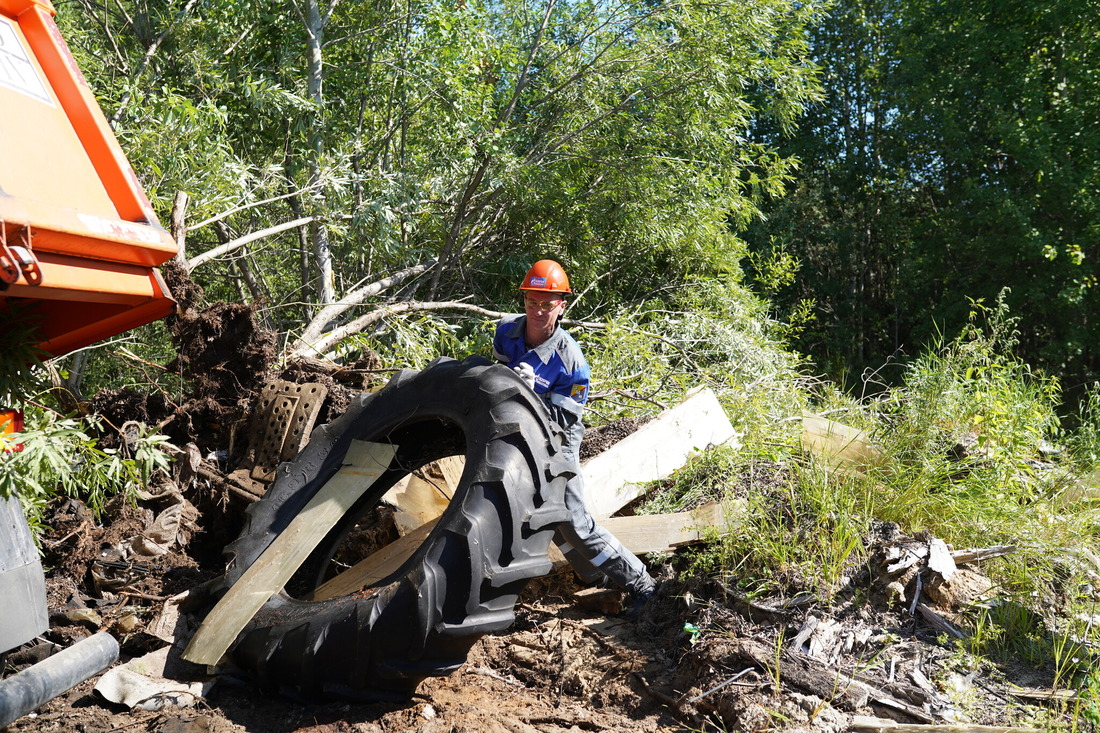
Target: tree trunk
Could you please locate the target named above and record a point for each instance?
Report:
(322, 252)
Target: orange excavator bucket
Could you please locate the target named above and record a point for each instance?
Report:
(79, 241)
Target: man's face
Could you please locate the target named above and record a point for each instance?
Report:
(543, 311)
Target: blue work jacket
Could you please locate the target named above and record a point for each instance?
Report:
(561, 372)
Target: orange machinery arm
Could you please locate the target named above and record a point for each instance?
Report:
(79, 241)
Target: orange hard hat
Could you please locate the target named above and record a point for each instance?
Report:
(546, 276)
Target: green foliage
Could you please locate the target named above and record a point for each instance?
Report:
(950, 159)
(800, 531)
(60, 457)
(804, 526)
(963, 431)
(135, 359)
(410, 342)
(976, 384)
(21, 373)
(711, 477)
(614, 136)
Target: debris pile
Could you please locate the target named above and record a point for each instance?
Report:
(703, 655)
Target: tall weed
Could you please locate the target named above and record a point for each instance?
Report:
(964, 433)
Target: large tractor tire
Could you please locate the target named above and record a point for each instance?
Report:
(463, 580)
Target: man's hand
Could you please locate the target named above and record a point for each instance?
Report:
(527, 373)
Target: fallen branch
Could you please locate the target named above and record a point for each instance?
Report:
(746, 606)
(678, 707)
(313, 340)
(1046, 695)
(939, 622)
(964, 557)
(805, 673)
(486, 672)
(322, 343)
(228, 482)
(915, 694)
(720, 685)
(235, 244)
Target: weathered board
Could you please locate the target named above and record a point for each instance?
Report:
(363, 464)
(617, 476)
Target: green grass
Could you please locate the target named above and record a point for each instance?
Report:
(976, 453)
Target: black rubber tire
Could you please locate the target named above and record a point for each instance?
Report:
(461, 583)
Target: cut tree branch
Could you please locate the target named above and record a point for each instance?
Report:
(325, 342)
(239, 242)
(314, 340)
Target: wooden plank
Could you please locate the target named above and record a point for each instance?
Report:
(653, 532)
(875, 725)
(363, 464)
(424, 494)
(617, 476)
(451, 467)
(837, 444)
(667, 532)
(375, 567)
(1046, 694)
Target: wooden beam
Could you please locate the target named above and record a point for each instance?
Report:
(423, 495)
(665, 532)
(877, 725)
(364, 463)
(374, 567)
(617, 476)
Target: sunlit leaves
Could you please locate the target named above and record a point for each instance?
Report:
(956, 154)
(613, 134)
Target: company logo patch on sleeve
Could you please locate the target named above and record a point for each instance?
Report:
(578, 392)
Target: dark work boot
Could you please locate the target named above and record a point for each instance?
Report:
(634, 604)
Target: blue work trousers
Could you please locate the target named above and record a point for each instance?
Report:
(592, 551)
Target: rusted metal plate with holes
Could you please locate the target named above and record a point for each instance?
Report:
(283, 423)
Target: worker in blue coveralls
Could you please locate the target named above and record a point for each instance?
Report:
(551, 362)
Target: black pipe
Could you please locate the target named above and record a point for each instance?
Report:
(42, 682)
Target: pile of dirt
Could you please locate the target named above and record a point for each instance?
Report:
(598, 439)
(702, 656)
